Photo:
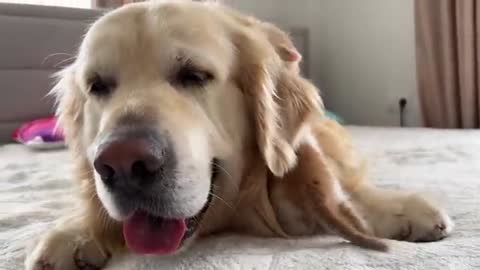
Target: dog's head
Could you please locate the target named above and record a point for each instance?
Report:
(160, 97)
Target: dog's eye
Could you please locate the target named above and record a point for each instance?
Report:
(100, 86)
(190, 77)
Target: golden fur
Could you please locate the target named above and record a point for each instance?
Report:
(255, 116)
(311, 172)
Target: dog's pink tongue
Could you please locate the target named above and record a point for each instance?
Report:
(145, 234)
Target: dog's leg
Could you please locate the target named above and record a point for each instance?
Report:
(390, 214)
(71, 245)
(401, 215)
(312, 191)
(327, 200)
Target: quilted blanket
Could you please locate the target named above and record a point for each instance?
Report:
(35, 189)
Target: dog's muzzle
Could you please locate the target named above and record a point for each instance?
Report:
(133, 167)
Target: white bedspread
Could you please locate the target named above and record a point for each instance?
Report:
(34, 188)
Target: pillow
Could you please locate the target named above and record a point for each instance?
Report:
(335, 117)
(40, 134)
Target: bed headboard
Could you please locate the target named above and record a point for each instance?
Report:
(35, 40)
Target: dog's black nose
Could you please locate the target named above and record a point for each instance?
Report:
(136, 160)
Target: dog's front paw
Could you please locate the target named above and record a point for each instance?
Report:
(65, 250)
(423, 221)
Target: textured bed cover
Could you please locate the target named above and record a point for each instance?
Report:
(35, 189)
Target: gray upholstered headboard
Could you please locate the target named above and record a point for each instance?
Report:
(35, 39)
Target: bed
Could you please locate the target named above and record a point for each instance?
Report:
(35, 189)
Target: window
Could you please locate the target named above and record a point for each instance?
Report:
(63, 3)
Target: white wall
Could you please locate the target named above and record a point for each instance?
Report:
(362, 53)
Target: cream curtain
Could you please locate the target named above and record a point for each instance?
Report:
(447, 34)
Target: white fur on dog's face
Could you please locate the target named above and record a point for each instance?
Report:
(140, 51)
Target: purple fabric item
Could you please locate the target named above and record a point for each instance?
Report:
(40, 133)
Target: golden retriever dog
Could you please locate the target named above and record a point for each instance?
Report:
(184, 120)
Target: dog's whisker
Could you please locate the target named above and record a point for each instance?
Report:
(221, 199)
(63, 61)
(230, 178)
(56, 54)
(223, 170)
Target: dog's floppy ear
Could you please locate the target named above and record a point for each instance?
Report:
(279, 99)
(70, 102)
